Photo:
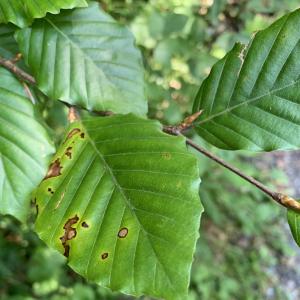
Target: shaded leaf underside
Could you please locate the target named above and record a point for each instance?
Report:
(121, 201)
(86, 58)
(251, 99)
(24, 147)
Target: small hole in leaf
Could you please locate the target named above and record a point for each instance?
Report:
(123, 233)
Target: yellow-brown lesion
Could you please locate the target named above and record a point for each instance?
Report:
(54, 169)
(69, 234)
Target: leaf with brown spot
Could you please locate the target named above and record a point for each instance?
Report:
(73, 132)
(68, 152)
(54, 169)
(69, 234)
(25, 146)
(122, 182)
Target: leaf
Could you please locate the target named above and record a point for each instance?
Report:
(24, 147)
(8, 45)
(251, 98)
(22, 12)
(121, 202)
(84, 57)
(294, 222)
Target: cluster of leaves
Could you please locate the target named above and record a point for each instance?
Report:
(231, 245)
(120, 194)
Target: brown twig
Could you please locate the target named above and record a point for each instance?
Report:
(280, 198)
(9, 65)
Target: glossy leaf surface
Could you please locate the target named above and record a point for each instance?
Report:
(294, 222)
(121, 202)
(84, 57)
(251, 98)
(22, 12)
(24, 147)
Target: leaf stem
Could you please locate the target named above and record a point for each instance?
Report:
(10, 65)
(280, 198)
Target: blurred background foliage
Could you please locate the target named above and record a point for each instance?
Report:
(245, 251)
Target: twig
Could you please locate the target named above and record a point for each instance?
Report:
(28, 92)
(9, 65)
(280, 198)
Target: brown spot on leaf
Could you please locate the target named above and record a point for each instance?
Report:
(82, 135)
(34, 204)
(54, 169)
(123, 233)
(166, 155)
(69, 234)
(84, 225)
(69, 152)
(104, 255)
(67, 251)
(50, 190)
(73, 132)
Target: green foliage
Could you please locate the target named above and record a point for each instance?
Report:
(8, 45)
(250, 99)
(25, 147)
(22, 12)
(120, 198)
(294, 222)
(83, 57)
(135, 209)
(241, 237)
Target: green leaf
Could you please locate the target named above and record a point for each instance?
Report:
(8, 45)
(121, 202)
(294, 222)
(24, 147)
(85, 58)
(22, 12)
(251, 98)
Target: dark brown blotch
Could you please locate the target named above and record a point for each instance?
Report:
(68, 152)
(82, 135)
(54, 169)
(73, 132)
(84, 225)
(104, 255)
(69, 234)
(34, 204)
(123, 233)
(50, 190)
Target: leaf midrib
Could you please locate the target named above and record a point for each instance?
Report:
(128, 204)
(251, 100)
(90, 59)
